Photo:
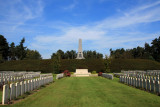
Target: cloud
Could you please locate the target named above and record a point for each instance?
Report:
(142, 14)
(117, 31)
(112, 32)
(17, 12)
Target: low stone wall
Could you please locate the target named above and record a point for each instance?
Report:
(13, 90)
(147, 83)
(109, 76)
(58, 76)
(93, 75)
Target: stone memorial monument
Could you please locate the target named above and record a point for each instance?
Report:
(80, 51)
(82, 73)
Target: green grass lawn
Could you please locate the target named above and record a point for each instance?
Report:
(90, 92)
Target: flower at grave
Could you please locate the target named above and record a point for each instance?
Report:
(67, 73)
(100, 74)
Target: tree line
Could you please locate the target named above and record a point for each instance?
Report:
(149, 51)
(20, 52)
(72, 54)
(16, 52)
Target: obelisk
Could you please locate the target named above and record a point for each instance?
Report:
(80, 51)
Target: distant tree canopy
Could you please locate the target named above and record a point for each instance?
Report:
(92, 55)
(64, 55)
(72, 54)
(33, 54)
(147, 52)
(19, 52)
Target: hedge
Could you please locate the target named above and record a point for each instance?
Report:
(71, 64)
(133, 64)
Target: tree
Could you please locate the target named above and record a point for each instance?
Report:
(21, 50)
(107, 63)
(12, 51)
(156, 49)
(60, 54)
(53, 55)
(4, 47)
(92, 55)
(147, 48)
(73, 54)
(147, 52)
(33, 54)
(67, 55)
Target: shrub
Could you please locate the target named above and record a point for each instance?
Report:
(108, 70)
(100, 74)
(117, 76)
(71, 73)
(94, 72)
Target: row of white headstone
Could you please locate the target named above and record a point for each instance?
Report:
(147, 72)
(13, 77)
(19, 73)
(109, 76)
(58, 76)
(13, 90)
(146, 83)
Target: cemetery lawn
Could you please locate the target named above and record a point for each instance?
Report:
(89, 92)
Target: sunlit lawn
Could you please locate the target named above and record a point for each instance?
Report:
(90, 92)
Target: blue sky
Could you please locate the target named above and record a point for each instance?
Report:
(49, 25)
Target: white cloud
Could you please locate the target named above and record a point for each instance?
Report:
(143, 14)
(116, 31)
(17, 12)
(108, 33)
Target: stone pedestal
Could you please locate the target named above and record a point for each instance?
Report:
(82, 73)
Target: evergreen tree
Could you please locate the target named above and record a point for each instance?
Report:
(12, 51)
(156, 49)
(4, 48)
(33, 54)
(21, 50)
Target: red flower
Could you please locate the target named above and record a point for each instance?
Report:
(67, 73)
(100, 74)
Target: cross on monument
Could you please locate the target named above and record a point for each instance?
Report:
(80, 51)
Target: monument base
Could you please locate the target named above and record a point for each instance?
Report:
(82, 73)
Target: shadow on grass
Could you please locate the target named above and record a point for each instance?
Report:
(20, 98)
(142, 89)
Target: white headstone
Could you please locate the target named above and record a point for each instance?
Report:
(5, 94)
